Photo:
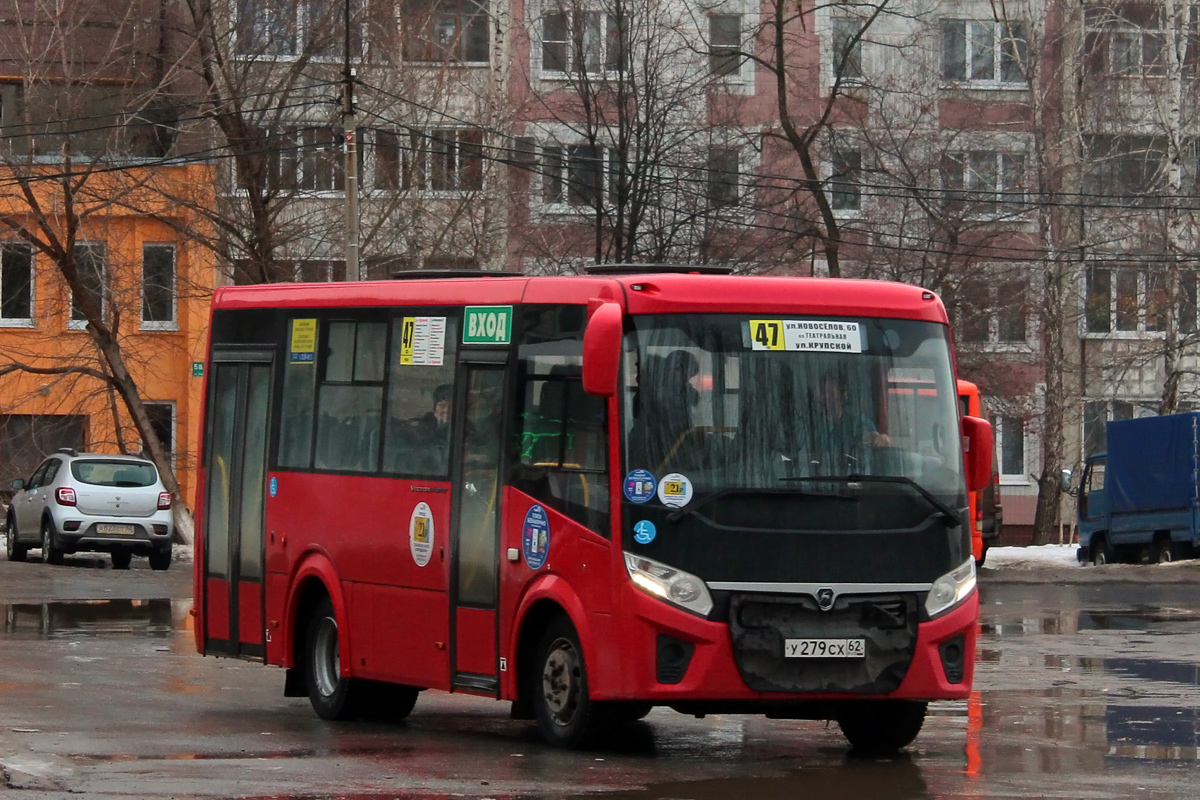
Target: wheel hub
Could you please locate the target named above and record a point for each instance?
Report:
(561, 682)
(327, 658)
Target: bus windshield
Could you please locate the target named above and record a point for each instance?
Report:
(734, 402)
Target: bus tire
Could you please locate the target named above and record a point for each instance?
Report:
(566, 715)
(388, 702)
(333, 695)
(876, 727)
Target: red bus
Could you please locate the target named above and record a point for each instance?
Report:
(658, 489)
(985, 510)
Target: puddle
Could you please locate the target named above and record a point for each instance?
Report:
(1146, 620)
(154, 618)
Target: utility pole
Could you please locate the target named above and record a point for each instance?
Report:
(350, 121)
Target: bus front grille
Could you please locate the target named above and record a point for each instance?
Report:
(760, 624)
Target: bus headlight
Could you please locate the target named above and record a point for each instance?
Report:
(667, 583)
(951, 589)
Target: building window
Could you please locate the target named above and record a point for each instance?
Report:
(446, 30)
(1130, 39)
(724, 177)
(590, 42)
(983, 181)
(1126, 299)
(572, 174)
(322, 160)
(440, 160)
(16, 282)
(845, 50)
(90, 263)
(158, 285)
(992, 312)
(845, 181)
(725, 44)
(162, 422)
(1121, 170)
(289, 28)
(1010, 444)
(983, 51)
(1096, 414)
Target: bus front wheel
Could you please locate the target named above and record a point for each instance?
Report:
(333, 696)
(881, 726)
(566, 715)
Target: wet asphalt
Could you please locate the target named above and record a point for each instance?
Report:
(1087, 686)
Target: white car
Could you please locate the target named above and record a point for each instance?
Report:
(91, 502)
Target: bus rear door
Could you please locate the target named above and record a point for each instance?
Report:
(239, 418)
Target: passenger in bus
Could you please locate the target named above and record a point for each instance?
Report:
(434, 427)
(840, 437)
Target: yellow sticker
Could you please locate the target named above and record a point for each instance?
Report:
(673, 488)
(304, 340)
(419, 532)
(408, 333)
(766, 334)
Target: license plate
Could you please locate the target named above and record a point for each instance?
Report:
(824, 648)
(108, 527)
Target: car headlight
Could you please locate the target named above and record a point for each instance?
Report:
(951, 589)
(667, 583)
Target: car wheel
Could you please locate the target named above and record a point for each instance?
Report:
(50, 553)
(333, 695)
(14, 549)
(121, 559)
(879, 727)
(1100, 554)
(160, 559)
(566, 715)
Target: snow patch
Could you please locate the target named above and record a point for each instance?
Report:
(1045, 555)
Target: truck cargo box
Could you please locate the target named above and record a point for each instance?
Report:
(1153, 463)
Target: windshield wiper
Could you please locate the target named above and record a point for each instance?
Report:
(691, 508)
(947, 513)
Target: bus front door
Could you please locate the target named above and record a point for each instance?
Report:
(239, 419)
(475, 524)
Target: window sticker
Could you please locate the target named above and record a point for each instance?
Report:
(639, 486)
(304, 341)
(535, 537)
(675, 490)
(274, 486)
(487, 325)
(644, 532)
(420, 534)
(423, 341)
(806, 335)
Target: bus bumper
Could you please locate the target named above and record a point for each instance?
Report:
(674, 656)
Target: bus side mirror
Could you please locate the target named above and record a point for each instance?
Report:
(602, 350)
(977, 452)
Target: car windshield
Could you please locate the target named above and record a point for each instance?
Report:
(123, 474)
(746, 403)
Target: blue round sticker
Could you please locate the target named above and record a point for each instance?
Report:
(639, 486)
(274, 486)
(644, 532)
(535, 537)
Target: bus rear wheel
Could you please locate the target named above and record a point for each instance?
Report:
(875, 727)
(333, 695)
(566, 716)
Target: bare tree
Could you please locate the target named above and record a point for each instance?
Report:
(91, 81)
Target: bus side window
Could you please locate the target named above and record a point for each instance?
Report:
(296, 413)
(563, 444)
(350, 398)
(416, 381)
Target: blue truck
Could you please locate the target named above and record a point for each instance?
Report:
(1139, 500)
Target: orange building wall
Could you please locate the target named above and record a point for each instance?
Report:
(160, 361)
